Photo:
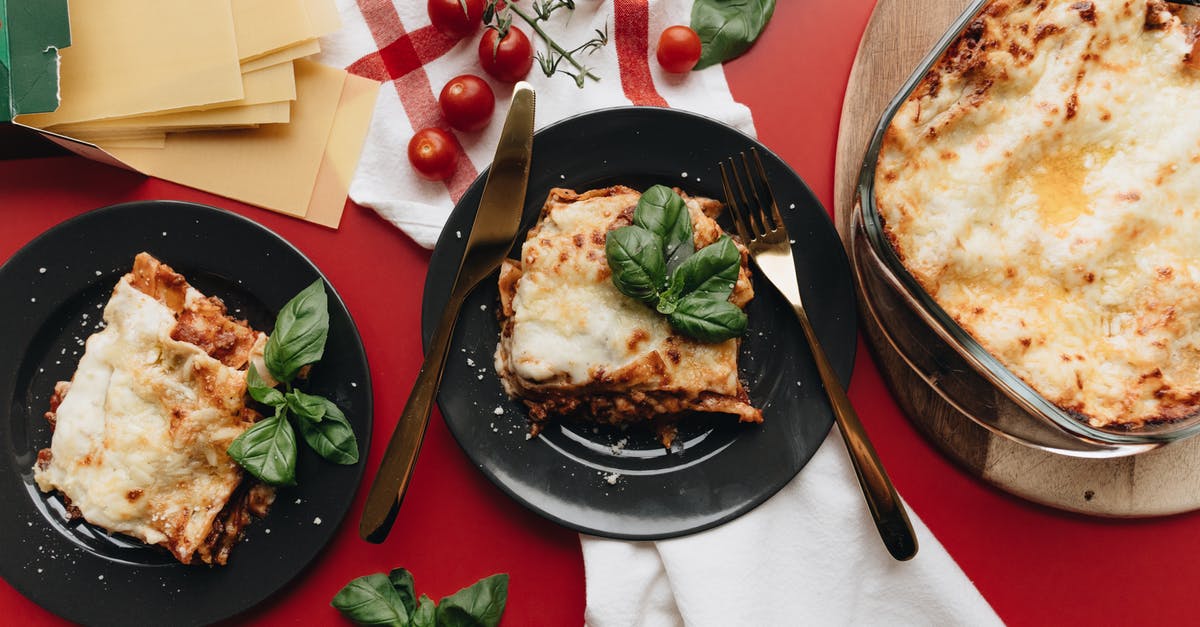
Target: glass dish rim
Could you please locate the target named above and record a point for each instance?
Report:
(940, 321)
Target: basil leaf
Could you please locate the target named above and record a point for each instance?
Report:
(711, 272)
(727, 28)
(301, 329)
(425, 614)
(708, 319)
(371, 600)
(307, 406)
(480, 604)
(402, 581)
(635, 257)
(662, 212)
(332, 437)
(260, 391)
(268, 451)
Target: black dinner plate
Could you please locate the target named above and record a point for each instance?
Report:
(622, 483)
(53, 291)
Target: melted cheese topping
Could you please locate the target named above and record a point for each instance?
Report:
(140, 437)
(1043, 184)
(567, 328)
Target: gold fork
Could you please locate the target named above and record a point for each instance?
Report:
(767, 239)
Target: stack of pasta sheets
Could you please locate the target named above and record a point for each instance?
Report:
(218, 95)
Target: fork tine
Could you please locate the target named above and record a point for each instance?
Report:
(730, 200)
(749, 208)
(760, 205)
(762, 178)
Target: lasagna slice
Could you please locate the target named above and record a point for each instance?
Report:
(141, 430)
(572, 345)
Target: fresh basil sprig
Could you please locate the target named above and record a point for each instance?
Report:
(655, 261)
(727, 28)
(267, 450)
(380, 599)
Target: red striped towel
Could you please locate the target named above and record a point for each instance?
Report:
(394, 42)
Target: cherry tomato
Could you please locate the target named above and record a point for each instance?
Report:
(433, 154)
(467, 102)
(456, 18)
(510, 62)
(678, 49)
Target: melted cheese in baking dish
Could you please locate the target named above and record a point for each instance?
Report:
(1043, 184)
(142, 429)
(572, 343)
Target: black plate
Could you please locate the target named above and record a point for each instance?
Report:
(53, 290)
(579, 475)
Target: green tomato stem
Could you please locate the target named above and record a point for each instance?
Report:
(550, 42)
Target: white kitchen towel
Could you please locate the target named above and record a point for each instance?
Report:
(393, 41)
(810, 555)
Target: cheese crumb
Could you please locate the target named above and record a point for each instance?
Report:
(499, 411)
(42, 270)
(470, 362)
(612, 477)
(317, 520)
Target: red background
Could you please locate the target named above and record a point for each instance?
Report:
(1035, 565)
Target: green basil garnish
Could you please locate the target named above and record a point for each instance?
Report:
(708, 319)
(260, 391)
(380, 599)
(712, 271)
(307, 406)
(405, 586)
(693, 293)
(480, 604)
(332, 437)
(371, 600)
(635, 256)
(662, 212)
(425, 615)
(268, 451)
(300, 332)
(727, 28)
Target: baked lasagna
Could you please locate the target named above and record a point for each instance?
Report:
(1042, 183)
(572, 345)
(141, 430)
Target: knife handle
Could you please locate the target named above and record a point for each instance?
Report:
(396, 468)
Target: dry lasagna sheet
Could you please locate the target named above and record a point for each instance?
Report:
(572, 345)
(1042, 183)
(141, 430)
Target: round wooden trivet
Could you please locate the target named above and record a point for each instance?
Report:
(1160, 482)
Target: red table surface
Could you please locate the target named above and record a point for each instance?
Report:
(1034, 565)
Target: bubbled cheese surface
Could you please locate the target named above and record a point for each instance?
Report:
(1043, 184)
(139, 444)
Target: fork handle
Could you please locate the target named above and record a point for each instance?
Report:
(891, 518)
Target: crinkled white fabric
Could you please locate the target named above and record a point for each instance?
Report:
(808, 556)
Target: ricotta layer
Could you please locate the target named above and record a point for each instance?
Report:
(141, 430)
(571, 344)
(1042, 183)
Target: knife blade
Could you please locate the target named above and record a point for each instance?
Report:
(493, 233)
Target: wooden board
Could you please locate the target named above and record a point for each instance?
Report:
(1160, 482)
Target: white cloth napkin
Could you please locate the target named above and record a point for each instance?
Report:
(386, 183)
(810, 554)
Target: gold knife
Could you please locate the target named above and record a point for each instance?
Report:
(495, 230)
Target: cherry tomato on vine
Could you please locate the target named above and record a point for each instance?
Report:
(433, 154)
(678, 49)
(456, 18)
(511, 60)
(467, 102)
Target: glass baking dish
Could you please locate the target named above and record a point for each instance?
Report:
(983, 363)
